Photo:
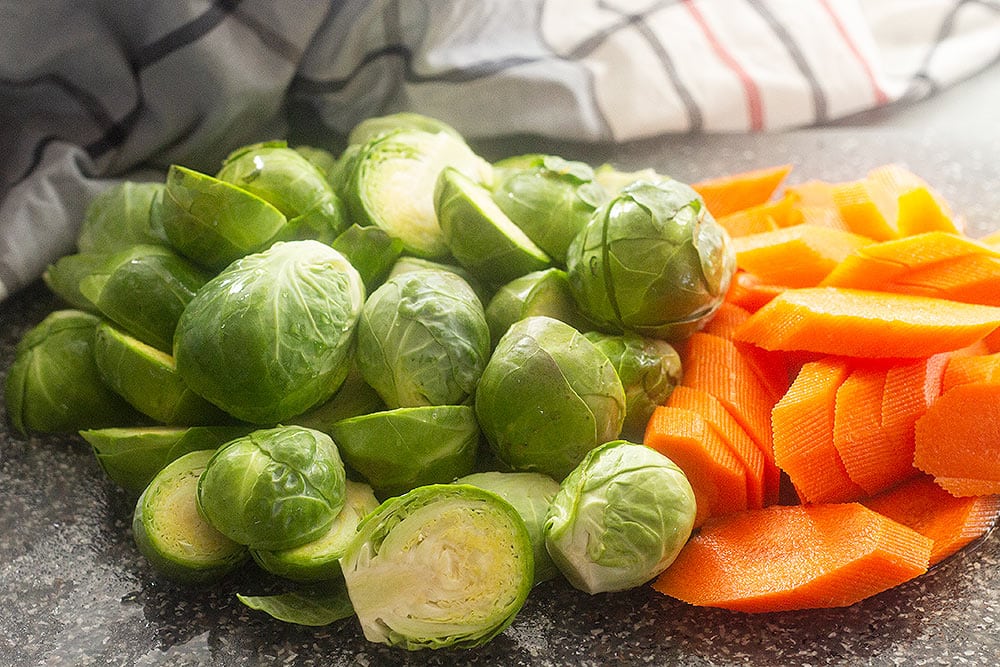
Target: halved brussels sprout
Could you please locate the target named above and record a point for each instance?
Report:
(530, 493)
(397, 450)
(423, 339)
(544, 292)
(549, 198)
(320, 158)
(620, 518)
(147, 378)
(649, 369)
(131, 456)
(119, 217)
(274, 488)
(319, 560)
(445, 565)
(270, 337)
(392, 184)
(170, 532)
(63, 278)
(54, 385)
(316, 605)
(653, 261)
(547, 397)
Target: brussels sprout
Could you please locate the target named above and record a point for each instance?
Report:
(64, 275)
(620, 518)
(54, 385)
(444, 565)
(354, 397)
(214, 222)
(172, 535)
(479, 235)
(397, 450)
(392, 185)
(372, 127)
(131, 456)
(649, 369)
(147, 378)
(408, 263)
(550, 198)
(120, 217)
(320, 158)
(320, 604)
(653, 261)
(614, 180)
(543, 292)
(370, 250)
(319, 560)
(274, 488)
(423, 339)
(270, 337)
(530, 493)
(547, 397)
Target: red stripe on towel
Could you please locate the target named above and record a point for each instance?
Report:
(880, 95)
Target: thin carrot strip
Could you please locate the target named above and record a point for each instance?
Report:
(910, 389)
(963, 369)
(750, 292)
(799, 256)
(734, 192)
(920, 210)
(862, 211)
(969, 279)
(771, 368)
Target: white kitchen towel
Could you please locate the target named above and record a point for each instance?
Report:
(93, 91)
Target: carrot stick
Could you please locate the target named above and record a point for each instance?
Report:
(734, 192)
(727, 319)
(718, 479)
(859, 323)
(750, 292)
(969, 279)
(952, 523)
(972, 368)
(957, 440)
(799, 256)
(771, 368)
(803, 423)
(755, 219)
(784, 558)
(864, 211)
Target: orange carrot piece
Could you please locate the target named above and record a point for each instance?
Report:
(952, 523)
(756, 219)
(750, 292)
(799, 256)
(962, 369)
(803, 424)
(920, 210)
(969, 279)
(771, 368)
(863, 210)
(861, 323)
(784, 558)
(718, 479)
(992, 240)
(727, 318)
(958, 440)
(734, 192)
(812, 193)
(761, 475)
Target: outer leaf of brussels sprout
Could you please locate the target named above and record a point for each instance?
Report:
(372, 127)
(319, 560)
(392, 185)
(144, 289)
(370, 250)
(479, 235)
(649, 369)
(530, 493)
(147, 378)
(550, 199)
(270, 337)
(397, 450)
(410, 263)
(423, 339)
(214, 222)
(274, 488)
(172, 535)
(131, 456)
(54, 385)
(445, 565)
(318, 157)
(119, 217)
(652, 261)
(544, 292)
(547, 397)
(64, 275)
(614, 180)
(315, 606)
(620, 518)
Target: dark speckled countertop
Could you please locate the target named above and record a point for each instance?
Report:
(74, 591)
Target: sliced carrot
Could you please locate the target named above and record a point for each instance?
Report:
(761, 473)
(799, 256)
(734, 192)
(755, 219)
(969, 279)
(783, 558)
(727, 319)
(958, 440)
(750, 292)
(718, 479)
(812, 193)
(963, 369)
(803, 426)
(992, 239)
(860, 323)
(771, 368)
(920, 210)
(952, 523)
(863, 211)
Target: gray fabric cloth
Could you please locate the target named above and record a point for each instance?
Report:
(92, 91)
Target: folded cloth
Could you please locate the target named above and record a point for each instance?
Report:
(94, 91)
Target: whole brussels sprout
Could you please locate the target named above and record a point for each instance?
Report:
(547, 397)
(120, 217)
(270, 336)
(274, 488)
(620, 518)
(423, 339)
(544, 292)
(652, 260)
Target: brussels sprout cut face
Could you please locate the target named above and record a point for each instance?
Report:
(620, 518)
(274, 488)
(443, 565)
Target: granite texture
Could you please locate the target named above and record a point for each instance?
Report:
(74, 590)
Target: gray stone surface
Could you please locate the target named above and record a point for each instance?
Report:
(74, 591)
